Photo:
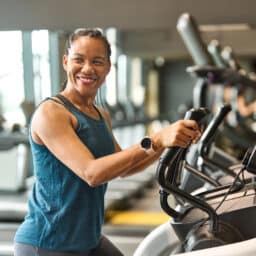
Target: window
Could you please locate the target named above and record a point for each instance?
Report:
(41, 66)
(11, 77)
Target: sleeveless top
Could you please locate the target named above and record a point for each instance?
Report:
(65, 213)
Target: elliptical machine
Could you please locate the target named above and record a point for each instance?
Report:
(204, 158)
(211, 73)
(217, 218)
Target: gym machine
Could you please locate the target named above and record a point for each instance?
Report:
(215, 222)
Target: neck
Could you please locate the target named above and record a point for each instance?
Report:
(77, 99)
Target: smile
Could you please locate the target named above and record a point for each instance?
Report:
(86, 80)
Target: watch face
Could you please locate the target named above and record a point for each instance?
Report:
(146, 143)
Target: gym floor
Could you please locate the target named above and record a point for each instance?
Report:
(127, 228)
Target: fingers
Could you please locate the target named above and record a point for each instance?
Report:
(190, 133)
(182, 134)
(184, 140)
(190, 128)
(181, 140)
(191, 124)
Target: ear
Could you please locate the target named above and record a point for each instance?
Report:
(65, 61)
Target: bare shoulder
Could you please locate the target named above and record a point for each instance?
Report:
(49, 109)
(50, 114)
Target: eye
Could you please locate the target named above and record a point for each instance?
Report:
(99, 62)
(78, 59)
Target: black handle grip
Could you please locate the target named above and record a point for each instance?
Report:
(211, 129)
(168, 169)
(199, 115)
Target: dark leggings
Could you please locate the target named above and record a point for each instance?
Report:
(105, 248)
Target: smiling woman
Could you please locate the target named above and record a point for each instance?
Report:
(75, 154)
(87, 64)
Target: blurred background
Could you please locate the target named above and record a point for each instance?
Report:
(148, 85)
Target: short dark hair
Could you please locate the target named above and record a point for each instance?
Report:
(90, 32)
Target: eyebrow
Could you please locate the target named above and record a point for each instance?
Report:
(77, 54)
(101, 57)
(96, 57)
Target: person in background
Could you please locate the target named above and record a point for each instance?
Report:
(75, 155)
(243, 107)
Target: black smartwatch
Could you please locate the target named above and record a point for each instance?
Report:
(147, 145)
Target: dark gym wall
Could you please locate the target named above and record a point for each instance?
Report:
(176, 88)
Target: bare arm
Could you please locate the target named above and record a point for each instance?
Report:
(54, 127)
(142, 164)
(147, 160)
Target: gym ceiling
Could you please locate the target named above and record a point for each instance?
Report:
(147, 27)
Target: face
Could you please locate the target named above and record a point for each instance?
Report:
(87, 65)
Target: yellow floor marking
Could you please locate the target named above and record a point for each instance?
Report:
(136, 218)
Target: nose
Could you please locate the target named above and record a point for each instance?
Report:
(87, 67)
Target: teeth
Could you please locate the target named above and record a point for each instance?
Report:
(86, 79)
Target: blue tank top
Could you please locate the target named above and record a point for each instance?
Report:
(65, 213)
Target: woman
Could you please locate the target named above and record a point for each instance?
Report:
(75, 154)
